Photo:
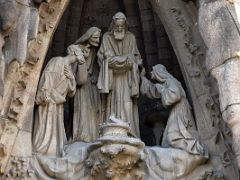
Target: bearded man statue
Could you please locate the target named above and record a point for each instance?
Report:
(119, 59)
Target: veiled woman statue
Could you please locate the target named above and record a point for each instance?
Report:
(169, 89)
(86, 118)
(57, 82)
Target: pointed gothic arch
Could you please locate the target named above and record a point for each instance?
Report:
(180, 24)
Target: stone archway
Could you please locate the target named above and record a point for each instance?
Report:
(186, 26)
(16, 126)
(152, 40)
(180, 23)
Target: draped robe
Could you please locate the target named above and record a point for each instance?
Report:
(49, 134)
(119, 77)
(86, 118)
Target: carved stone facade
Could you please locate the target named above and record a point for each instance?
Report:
(190, 130)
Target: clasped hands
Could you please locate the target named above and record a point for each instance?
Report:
(68, 73)
(124, 61)
(143, 76)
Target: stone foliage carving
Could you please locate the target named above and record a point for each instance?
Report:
(21, 79)
(23, 29)
(20, 169)
(19, 26)
(119, 155)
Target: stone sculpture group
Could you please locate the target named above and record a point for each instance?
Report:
(105, 85)
(76, 116)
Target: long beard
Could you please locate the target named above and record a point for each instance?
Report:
(119, 35)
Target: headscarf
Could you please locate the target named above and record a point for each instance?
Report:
(161, 73)
(87, 35)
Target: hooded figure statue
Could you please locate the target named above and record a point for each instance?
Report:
(180, 121)
(87, 104)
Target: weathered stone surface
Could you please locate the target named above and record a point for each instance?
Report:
(23, 145)
(190, 58)
(8, 137)
(219, 27)
(26, 31)
(228, 83)
(22, 101)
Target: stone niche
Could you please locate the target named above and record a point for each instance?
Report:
(88, 93)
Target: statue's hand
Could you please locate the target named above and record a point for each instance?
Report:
(135, 58)
(143, 72)
(68, 73)
(47, 98)
(107, 54)
(81, 60)
(131, 57)
(43, 98)
(117, 60)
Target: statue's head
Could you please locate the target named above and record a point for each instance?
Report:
(94, 40)
(160, 73)
(92, 37)
(119, 26)
(76, 54)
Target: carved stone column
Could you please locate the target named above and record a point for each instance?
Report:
(183, 21)
(220, 29)
(22, 80)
